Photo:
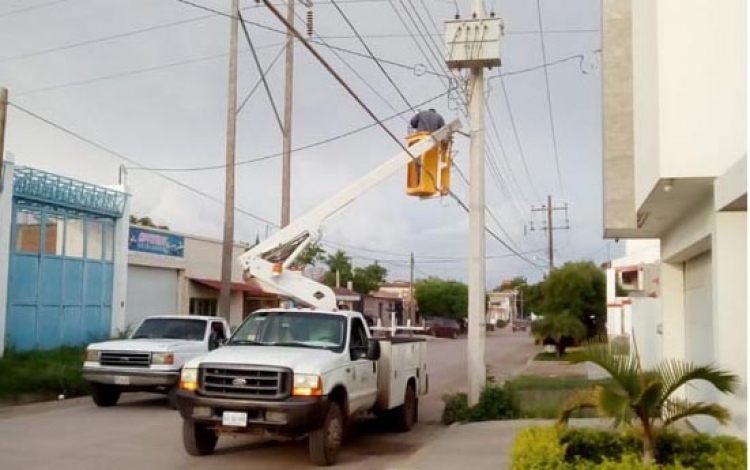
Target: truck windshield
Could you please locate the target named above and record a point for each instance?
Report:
(171, 328)
(293, 329)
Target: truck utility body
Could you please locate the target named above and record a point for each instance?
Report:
(150, 360)
(300, 372)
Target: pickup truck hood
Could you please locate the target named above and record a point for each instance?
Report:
(300, 360)
(151, 345)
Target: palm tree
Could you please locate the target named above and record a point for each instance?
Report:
(559, 327)
(645, 396)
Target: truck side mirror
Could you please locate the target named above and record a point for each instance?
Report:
(373, 350)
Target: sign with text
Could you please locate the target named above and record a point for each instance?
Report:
(156, 243)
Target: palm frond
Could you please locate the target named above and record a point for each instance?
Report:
(677, 409)
(650, 401)
(622, 368)
(578, 401)
(614, 403)
(677, 372)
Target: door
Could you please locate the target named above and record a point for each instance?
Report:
(151, 291)
(363, 375)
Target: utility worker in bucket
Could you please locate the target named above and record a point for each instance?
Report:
(427, 121)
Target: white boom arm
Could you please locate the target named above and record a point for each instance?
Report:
(283, 247)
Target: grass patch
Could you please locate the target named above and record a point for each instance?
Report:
(568, 356)
(42, 375)
(543, 397)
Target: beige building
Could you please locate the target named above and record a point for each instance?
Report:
(173, 273)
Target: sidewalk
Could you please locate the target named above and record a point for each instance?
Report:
(477, 446)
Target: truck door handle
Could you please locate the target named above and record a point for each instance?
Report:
(348, 369)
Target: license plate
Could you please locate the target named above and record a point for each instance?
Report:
(234, 418)
(122, 380)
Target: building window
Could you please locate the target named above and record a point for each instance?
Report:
(207, 307)
(74, 238)
(629, 279)
(54, 234)
(28, 231)
(109, 241)
(94, 240)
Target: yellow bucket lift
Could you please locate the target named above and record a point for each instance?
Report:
(430, 174)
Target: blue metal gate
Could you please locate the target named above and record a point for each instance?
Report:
(61, 263)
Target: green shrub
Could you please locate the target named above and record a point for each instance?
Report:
(456, 408)
(539, 448)
(596, 446)
(698, 451)
(495, 403)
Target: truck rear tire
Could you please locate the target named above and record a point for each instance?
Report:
(198, 439)
(406, 414)
(105, 395)
(324, 443)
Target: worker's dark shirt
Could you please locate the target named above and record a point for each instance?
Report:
(427, 121)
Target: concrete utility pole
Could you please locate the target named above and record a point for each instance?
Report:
(228, 243)
(286, 159)
(3, 114)
(475, 44)
(549, 226)
(412, 301)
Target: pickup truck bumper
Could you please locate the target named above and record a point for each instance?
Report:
(130, 378)
(293, 416)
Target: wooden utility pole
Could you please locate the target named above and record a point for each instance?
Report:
(549, 226)
(228, 242)
(412, 301)
(3, 115)
(286, 159)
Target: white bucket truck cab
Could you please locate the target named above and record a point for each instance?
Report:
(305, 372)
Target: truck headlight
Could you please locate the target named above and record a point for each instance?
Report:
(307, 385)
(162, 359)
(92, 355)
(189, 379)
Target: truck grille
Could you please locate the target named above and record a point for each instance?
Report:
(125, 359)
(254, 382)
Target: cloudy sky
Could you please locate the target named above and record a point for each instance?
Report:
(147, 79)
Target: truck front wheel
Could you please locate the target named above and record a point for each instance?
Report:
(105, 395)
(198, 439)
(325, 442)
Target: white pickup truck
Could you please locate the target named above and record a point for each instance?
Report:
(151, 359)
(291, 373)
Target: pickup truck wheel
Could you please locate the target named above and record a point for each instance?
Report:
(198, 439)
(105, 395)
(407, 413)
(324, 443)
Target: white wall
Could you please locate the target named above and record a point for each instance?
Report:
(689, 89)
(646, 318)
(730, 310)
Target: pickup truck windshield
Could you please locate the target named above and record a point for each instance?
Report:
(171, 328)
(292, 329)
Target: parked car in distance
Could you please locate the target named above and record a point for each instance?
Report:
(521, 325)
(442, 328)
(151, 359)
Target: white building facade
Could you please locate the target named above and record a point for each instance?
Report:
(674, 133)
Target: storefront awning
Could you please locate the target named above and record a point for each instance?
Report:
(250, 287)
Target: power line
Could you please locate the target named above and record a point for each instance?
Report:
(260, 71)
(31, 8)
(130, 160)
(515, 134)
(369, 51)
(260, 79)
(549, 97)
(304, 147)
